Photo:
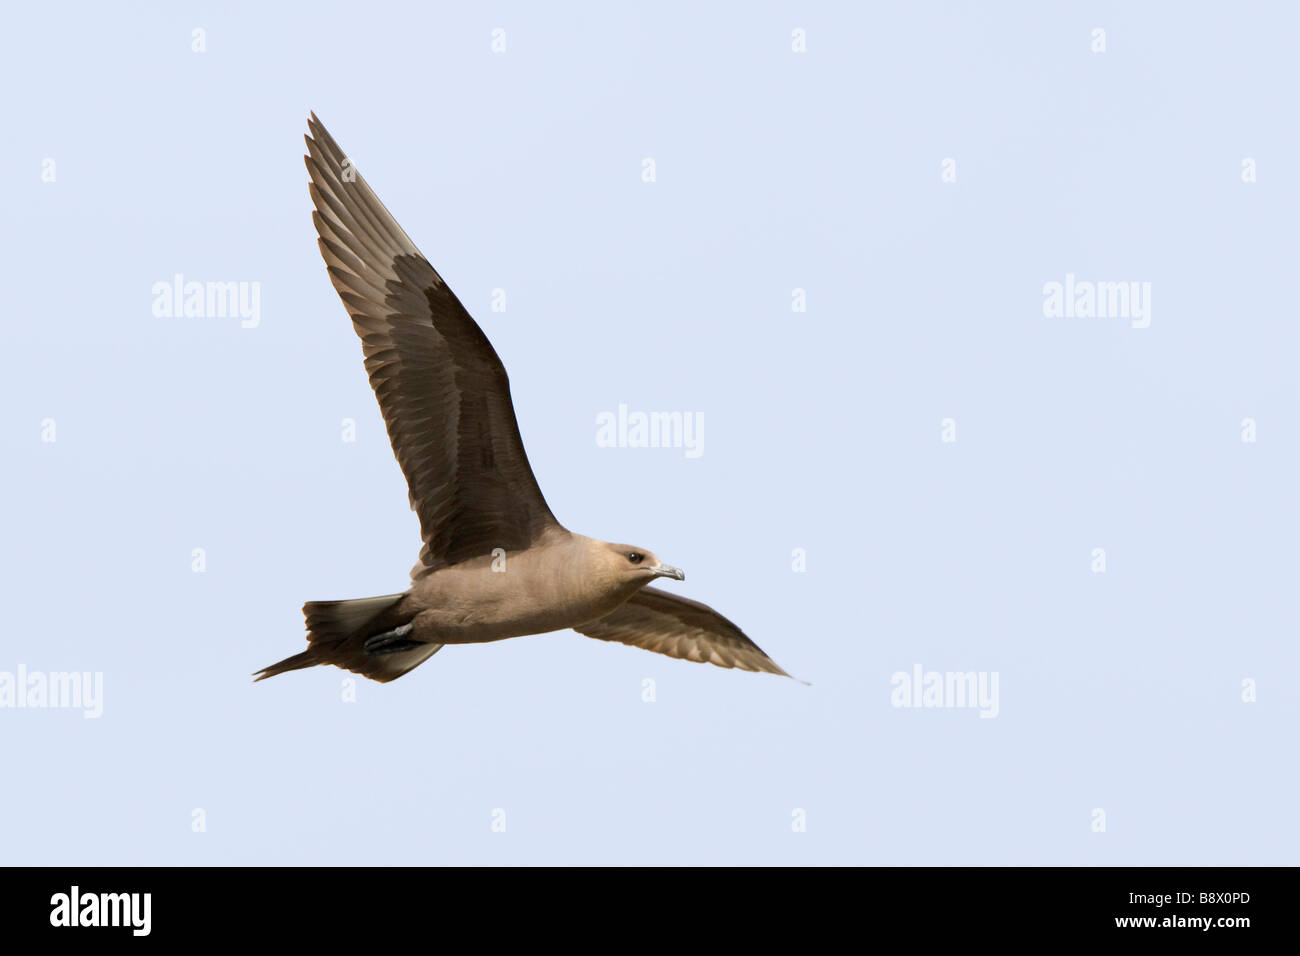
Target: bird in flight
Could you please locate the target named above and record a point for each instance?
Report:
(495, 563)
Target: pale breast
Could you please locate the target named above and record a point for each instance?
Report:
(511, 596)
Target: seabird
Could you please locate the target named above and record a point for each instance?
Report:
(495, 563)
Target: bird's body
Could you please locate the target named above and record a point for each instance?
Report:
(495, 563)
(542, 589)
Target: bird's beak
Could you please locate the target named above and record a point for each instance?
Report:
(664, 571)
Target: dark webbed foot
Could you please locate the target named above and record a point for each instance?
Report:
(391, 642)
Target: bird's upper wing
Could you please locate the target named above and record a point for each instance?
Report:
(442, 389)
(676, 626)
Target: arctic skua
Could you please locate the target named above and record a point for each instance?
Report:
(495, 563)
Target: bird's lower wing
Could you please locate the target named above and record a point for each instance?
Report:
(678, 627)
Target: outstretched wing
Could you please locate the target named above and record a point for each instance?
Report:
(679, 627)
(442, 389)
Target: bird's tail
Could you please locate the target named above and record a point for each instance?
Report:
(367, 636)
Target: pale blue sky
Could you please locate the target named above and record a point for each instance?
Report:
(775, 170)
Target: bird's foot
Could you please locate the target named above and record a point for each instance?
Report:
(391, 642)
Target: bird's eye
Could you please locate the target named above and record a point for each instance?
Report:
(636, 557)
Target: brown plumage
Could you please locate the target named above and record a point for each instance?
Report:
(495, 563)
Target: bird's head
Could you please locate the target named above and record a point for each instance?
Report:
(628, 566)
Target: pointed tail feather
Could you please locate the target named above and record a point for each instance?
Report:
(338, 632)
(307, 658)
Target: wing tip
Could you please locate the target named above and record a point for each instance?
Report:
(778, 671)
